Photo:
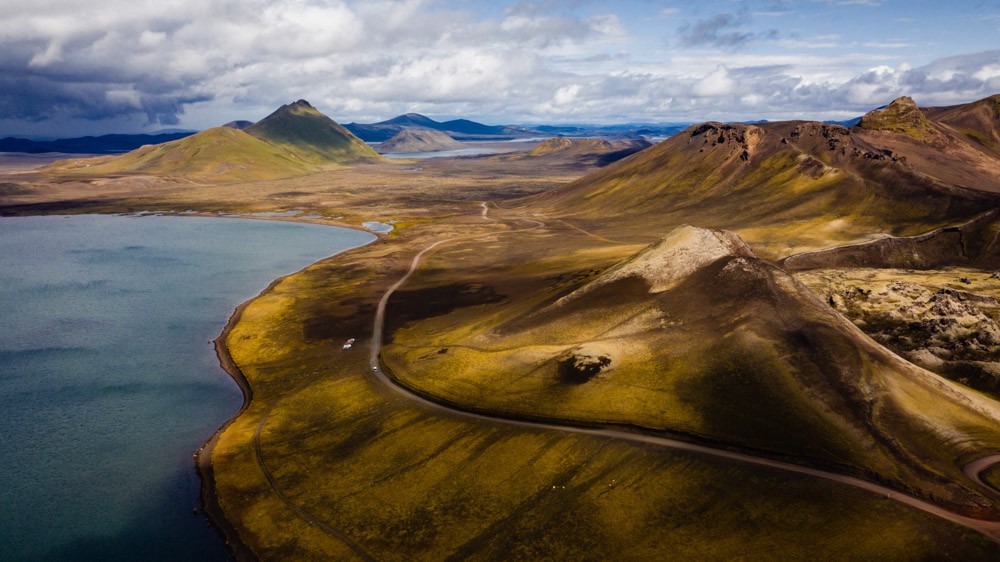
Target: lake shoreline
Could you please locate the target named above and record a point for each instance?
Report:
(210, 506)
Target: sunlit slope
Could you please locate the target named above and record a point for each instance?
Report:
(807, 184)
(694, 335)
(409, 482)
(955, 145)
(218, 154)
(979, 121)
(310, 136)
(973, 244)
(294, 140)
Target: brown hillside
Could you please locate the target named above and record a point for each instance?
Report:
(726, 348)
(974, 244)
(793, 184)
(599, 152)
(419, 140)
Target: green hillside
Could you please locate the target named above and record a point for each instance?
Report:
(217, 154)
(694, 335)
(310, 136)
(294, 140)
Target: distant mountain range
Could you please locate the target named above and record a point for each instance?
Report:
(104, 144)
(458, 129)
(465, 130)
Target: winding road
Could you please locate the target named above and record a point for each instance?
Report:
(973, 470)
(989, 529)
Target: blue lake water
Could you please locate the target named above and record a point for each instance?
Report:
(440, 153)
(108, 382)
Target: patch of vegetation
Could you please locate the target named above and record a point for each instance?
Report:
(406, 482)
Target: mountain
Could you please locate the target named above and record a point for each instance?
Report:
(977, 121)
(464, 129)
(217, 154)
(419, 140)
(695, 335)
(104, 144)
(239, 124)
(294, 140)
(310, 136)
(599, 152)
(793, 186)
(411, 120)
(471, 128)
(459, 129)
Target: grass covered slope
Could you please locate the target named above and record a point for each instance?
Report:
(294, 140)
(305, 133)
(218, 154)
(406, 482)
(786, 187)
(697, 337)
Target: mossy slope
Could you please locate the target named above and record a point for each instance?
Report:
(218, 154)
(307, 134)
(294, 140)
(736, 352)
(407, 482)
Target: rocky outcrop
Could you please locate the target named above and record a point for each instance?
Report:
(900, 116)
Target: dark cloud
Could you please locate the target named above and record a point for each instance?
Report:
(724, 31)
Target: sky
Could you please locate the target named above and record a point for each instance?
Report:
(74, 67)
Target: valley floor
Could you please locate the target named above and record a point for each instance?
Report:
(327, 461)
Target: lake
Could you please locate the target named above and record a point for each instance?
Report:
(108, 380)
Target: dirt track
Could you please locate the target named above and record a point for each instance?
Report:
(989, 529)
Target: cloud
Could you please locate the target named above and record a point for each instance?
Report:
(724, 30)
(192, 61)
(720, 30)
(121, 58)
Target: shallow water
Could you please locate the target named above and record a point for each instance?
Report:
(376, 226)
(440, 153)
(108, 382)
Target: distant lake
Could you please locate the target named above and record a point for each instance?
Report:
(440, 153)
(108, 382)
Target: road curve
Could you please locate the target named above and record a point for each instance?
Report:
(975, 469)
(989, 529)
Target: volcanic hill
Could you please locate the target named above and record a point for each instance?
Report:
(294, 140)
(696, 336)
(419, 140)
(600, 152)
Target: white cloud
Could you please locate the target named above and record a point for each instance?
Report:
(715, 84)
(372, 60)
(566, 95)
